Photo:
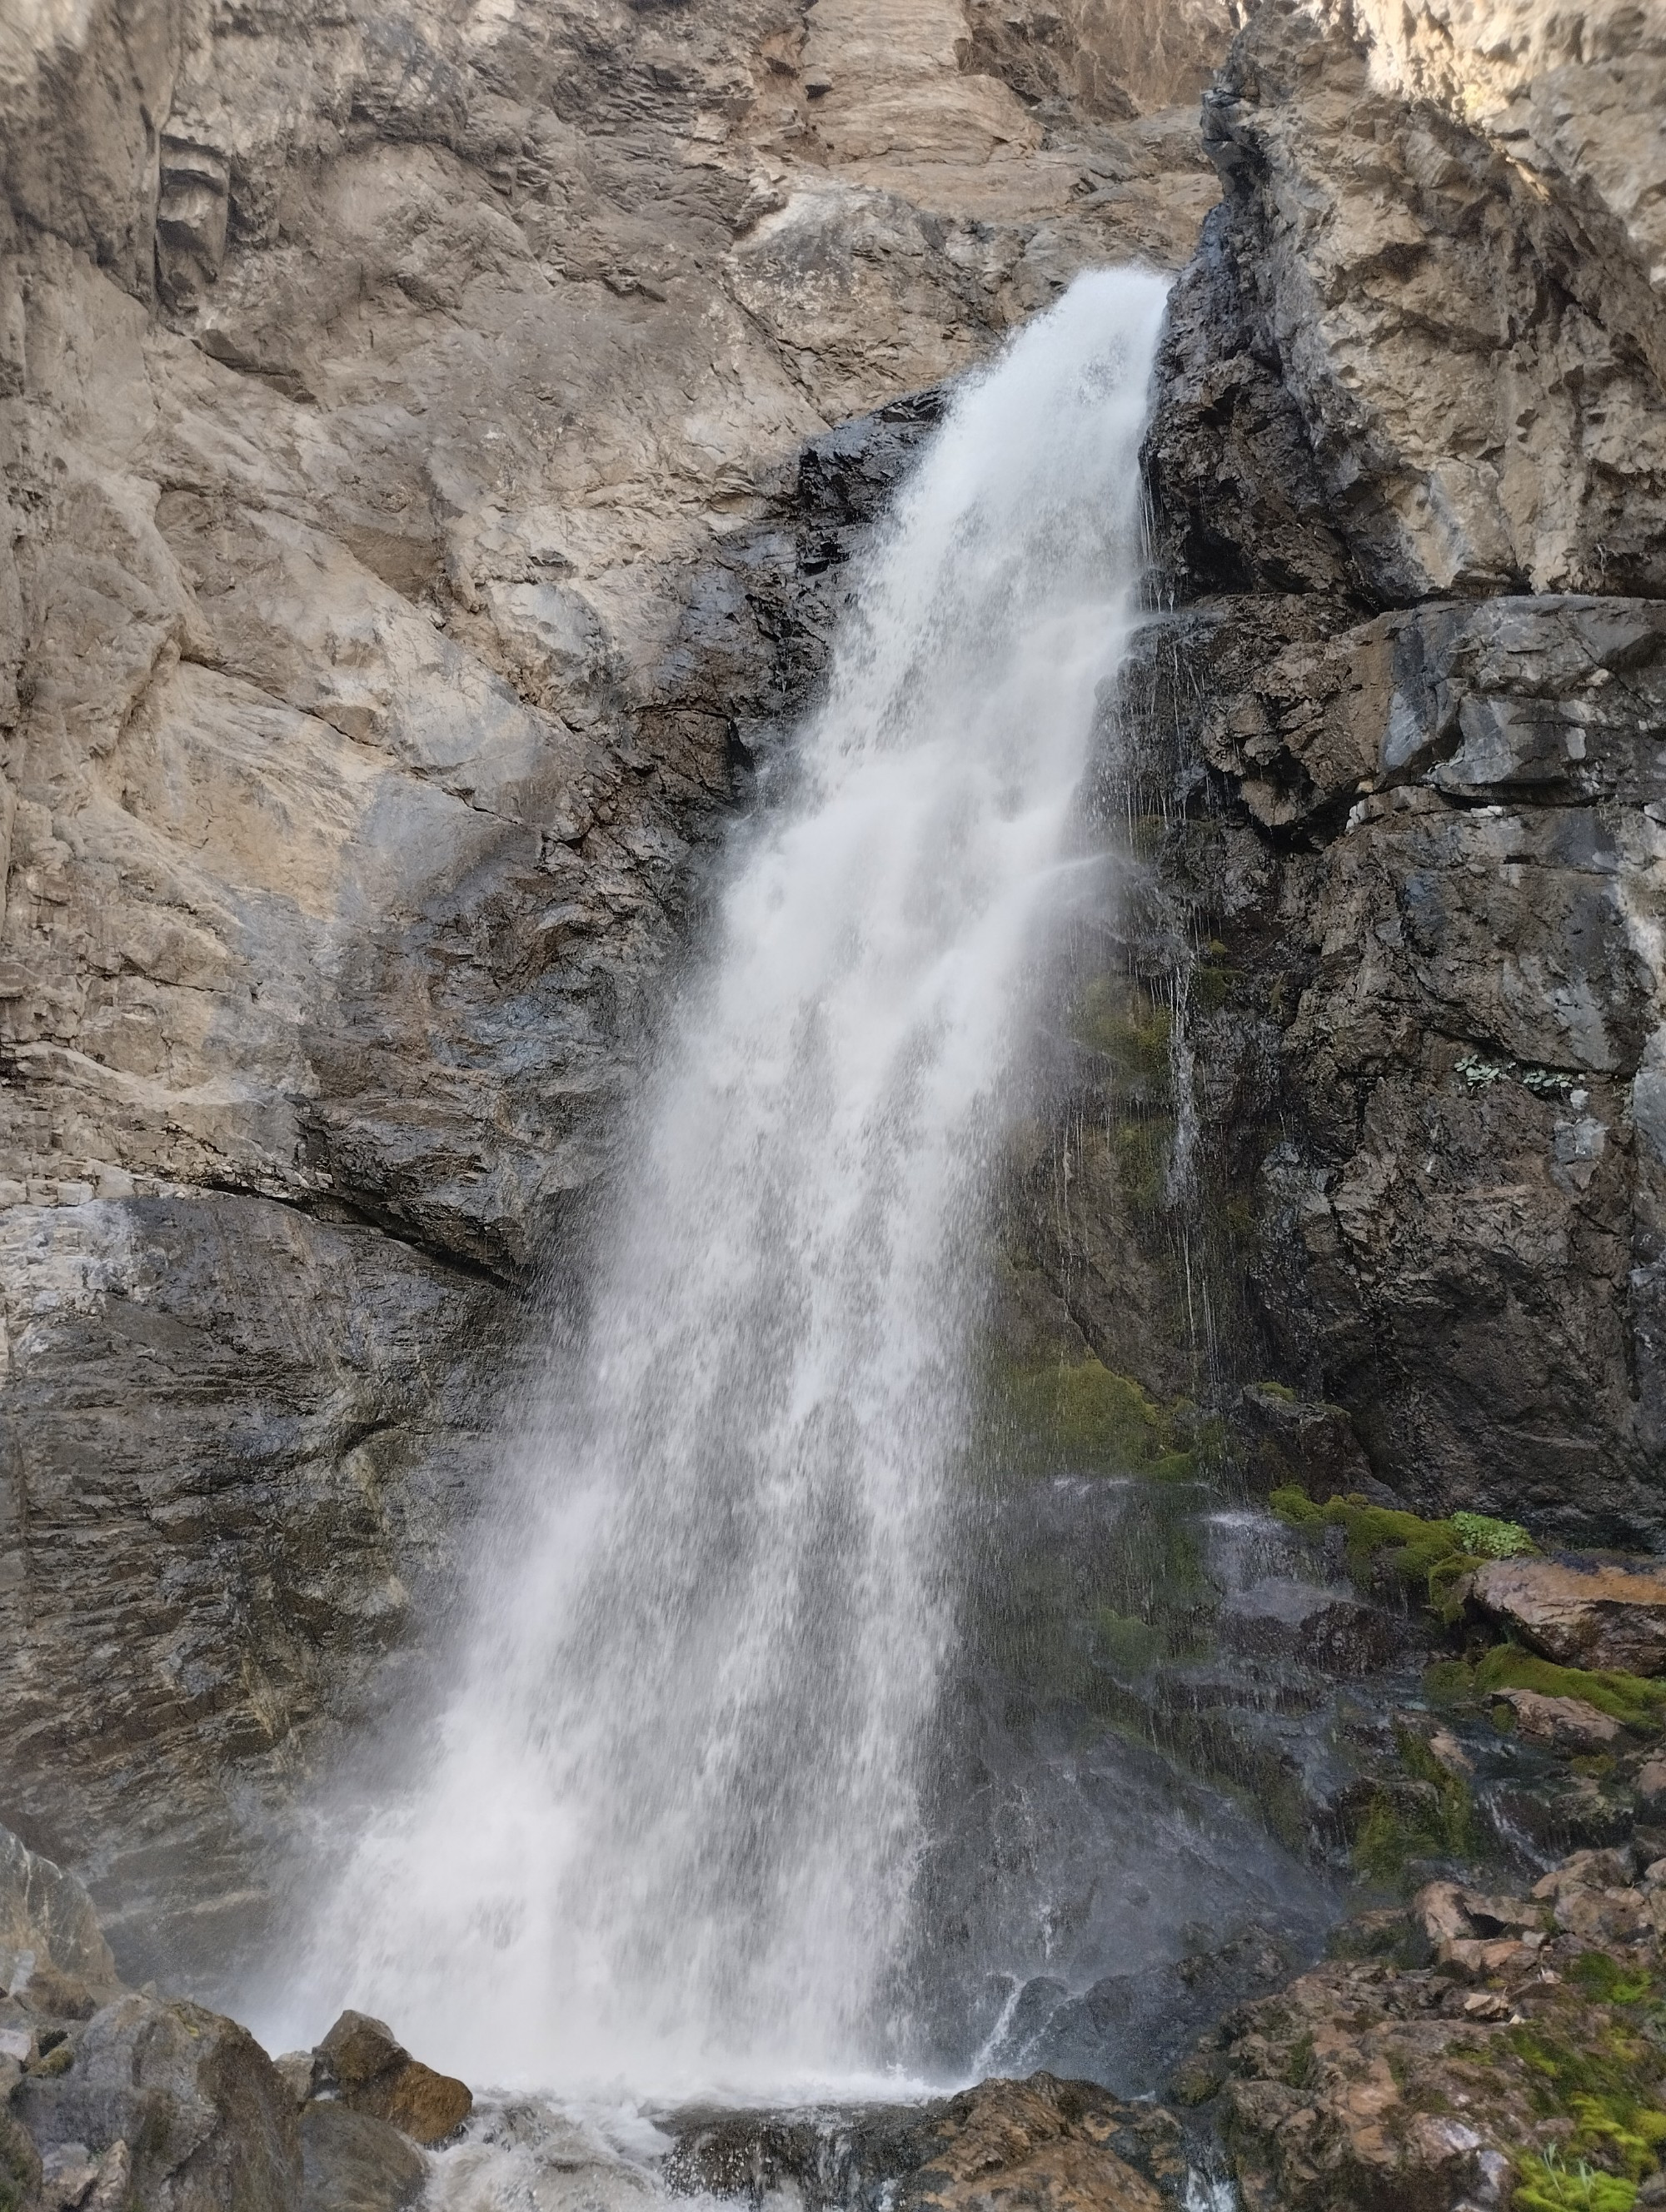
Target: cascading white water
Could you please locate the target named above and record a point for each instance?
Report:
(667, 1832)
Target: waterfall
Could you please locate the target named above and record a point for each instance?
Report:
(668, 1827)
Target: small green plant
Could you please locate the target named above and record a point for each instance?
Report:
(1491, 1540)
(1548, 2186)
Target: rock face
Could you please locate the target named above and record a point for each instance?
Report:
(1409, 463)
(400, 415)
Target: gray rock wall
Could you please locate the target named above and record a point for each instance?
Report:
(1409, 466)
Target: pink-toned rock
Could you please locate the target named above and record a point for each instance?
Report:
(1600, 1616)
(1590, 1869)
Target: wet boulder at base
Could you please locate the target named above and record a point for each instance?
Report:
(352, 2162)
(372, 2073)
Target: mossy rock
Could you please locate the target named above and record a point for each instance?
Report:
(1432, 1556)
(1630, 1700)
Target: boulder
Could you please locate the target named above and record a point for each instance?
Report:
(1597, 1616)
(1279, 1619)
(371, 2072)
(351, 2162)
(1589, 1869)
(1650, 1788)
(206, 2118)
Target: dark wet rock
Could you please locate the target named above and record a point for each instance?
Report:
(1038, 2143)
(361, 2063)
(1284, 1619)
(1588, 1613)
(352, 2162)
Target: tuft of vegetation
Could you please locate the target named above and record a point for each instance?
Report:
(1610, 2088)
(1547, 2185)
(1126, 1026)
(1488, 1539)
(1601, 1975)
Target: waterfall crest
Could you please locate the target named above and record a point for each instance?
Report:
(668, 1828)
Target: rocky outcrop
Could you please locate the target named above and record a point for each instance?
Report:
(1391, 943)
(360, 2065)
(400, 415)
(1469, 2053)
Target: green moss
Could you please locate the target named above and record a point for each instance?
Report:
(1624, 1698)
(1283, 1391)
(1609, 2087)
(1601, 1975)
(1435, 1819)
(1547, 2185)
(1423, 1554)
(1079, 1414)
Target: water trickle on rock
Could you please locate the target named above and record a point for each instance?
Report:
(670, 1827)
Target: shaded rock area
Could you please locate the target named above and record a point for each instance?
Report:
(407, 559)
(1359, 1085)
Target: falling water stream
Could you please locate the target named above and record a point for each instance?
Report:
(670, 1823)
